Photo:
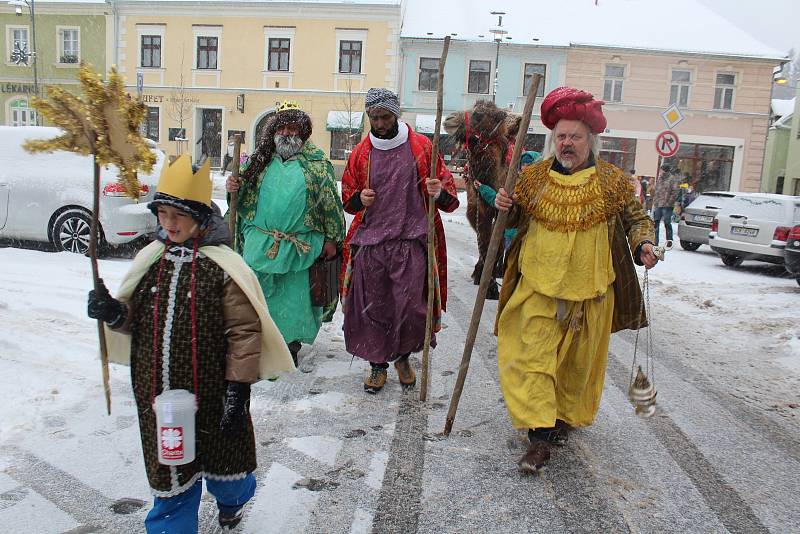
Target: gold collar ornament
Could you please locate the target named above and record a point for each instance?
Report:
(564, 207)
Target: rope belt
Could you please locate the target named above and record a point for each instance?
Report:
(574, 320)
(301, 246)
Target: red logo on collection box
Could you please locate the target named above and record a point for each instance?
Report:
(172, 442)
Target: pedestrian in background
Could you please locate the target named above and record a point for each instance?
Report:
(665, 195)
(638, 193)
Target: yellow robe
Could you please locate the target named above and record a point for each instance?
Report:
(554, 331)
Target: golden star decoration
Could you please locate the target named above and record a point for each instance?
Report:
(103, 122)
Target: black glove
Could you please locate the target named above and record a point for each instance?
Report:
(236, 413)
(105, 307)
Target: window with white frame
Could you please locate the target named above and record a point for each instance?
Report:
(151, 51)
(530, 70)
(342, 143)
(18, 44)
(613, 81)
(680, 83)
(479, 76)
(69, 45)
(21, 114)
(278, 54)
(724, 90)
(350, 57)
(428, 74)
(150, 125)
(278, 42)
(207, 52)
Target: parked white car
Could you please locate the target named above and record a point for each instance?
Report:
(753, 226)
(48, 197)
(696, 219)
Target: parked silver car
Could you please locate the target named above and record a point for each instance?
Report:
(696, 218)
(753, 226)
(48, 197)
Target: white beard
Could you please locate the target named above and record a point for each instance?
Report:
(288, 145)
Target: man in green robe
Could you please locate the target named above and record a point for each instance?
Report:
(289, 215)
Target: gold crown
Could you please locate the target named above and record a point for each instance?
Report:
(177, 180)
(289, 105)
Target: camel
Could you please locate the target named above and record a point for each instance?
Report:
(484, 131)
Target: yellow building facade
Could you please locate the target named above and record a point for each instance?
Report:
(207, 70)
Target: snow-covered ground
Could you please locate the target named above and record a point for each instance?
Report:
(736, 326)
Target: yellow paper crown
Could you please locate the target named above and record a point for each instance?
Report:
(177, 180)
(289, 105)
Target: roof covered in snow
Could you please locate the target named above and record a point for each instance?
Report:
(676, 26)
(782, 107)
(344, 2)
(785, 121)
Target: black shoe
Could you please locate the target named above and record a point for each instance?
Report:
(294, 349)
(493, 293)
(230, 520)
(476, 273)
(556, 435)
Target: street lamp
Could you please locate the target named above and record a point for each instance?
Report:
(18, 4)
(498, 32)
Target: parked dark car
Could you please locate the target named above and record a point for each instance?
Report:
(792, 252)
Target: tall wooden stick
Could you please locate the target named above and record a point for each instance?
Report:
(491, 254)
(423, 390)
(93, 234)
(232, 206)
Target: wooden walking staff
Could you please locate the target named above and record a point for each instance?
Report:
(234, 199)
(491, 254)
(423, 391)
(104, 123)
(93, 234)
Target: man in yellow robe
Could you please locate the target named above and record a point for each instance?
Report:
(570, 279)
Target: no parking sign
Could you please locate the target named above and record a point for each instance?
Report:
(667, 143)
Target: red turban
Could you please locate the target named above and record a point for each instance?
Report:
(573, 104)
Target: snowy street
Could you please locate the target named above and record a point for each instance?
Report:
(721, 455)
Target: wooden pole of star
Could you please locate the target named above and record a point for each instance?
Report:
(104, 123)
(234, 198)
(491, 254)
(423, 390)
(93, 235)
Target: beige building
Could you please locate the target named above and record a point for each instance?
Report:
(211, 69)
(724, 101)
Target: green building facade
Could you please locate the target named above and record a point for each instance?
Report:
(792, 174)
(66, 34)
(781, 172)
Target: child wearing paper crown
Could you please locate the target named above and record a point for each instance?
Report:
(190, 315)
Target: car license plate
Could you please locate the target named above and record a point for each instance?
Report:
(702, 218)
(741, 230)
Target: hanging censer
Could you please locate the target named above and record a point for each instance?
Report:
(641, 387)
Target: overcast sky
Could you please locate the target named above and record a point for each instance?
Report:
(774, 22)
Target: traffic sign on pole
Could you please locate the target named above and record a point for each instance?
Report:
(672, 116)
(667, 143)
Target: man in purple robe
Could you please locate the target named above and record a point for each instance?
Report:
(386, 185)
